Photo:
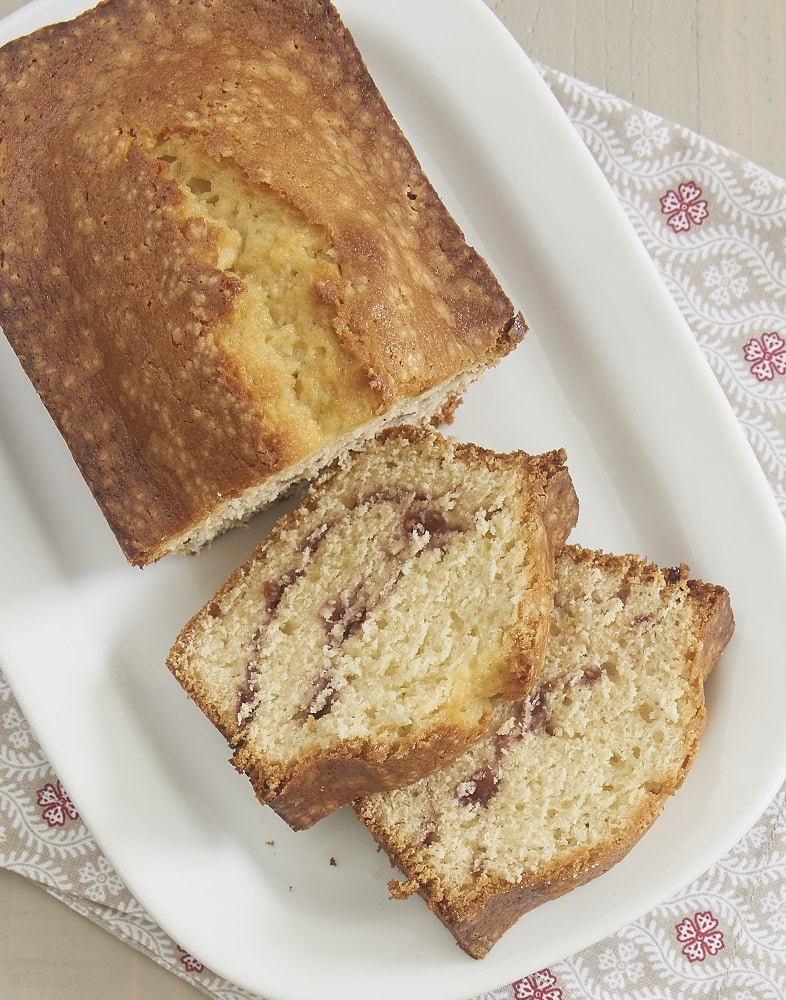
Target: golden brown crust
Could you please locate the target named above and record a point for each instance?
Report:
(111, 289)
(479, 912)
(223, 714)
(325, 782)
(557, 511)
(479, 921)
(715, 624)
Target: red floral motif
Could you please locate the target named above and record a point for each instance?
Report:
(684, 207)
(539, 986)
(700, 936)
(56, 805)
(189, 963)
(768, 356)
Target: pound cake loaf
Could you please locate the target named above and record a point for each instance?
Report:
(569, 778)
(360, 646)
(221, 261)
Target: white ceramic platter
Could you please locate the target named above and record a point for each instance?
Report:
(609, 371)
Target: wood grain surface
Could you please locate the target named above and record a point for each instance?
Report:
(715, 66)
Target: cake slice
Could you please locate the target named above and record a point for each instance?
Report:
(222, 263)
(570, 777)
(360, 646)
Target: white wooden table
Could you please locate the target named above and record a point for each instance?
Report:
(716, 66)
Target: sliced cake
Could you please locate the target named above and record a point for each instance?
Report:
(570, 777)
(361, 645)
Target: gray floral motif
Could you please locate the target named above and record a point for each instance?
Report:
(774, 909)
(725, 281)
(17, 730)
(649, 134)
(621, 965)
(759, 180)
(100, 880)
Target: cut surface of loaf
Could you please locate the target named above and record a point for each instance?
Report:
(360, 646)
(222, 263)
(569, 778)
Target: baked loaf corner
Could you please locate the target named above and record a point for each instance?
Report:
(361, 645)
(568, 779)
(221, 261)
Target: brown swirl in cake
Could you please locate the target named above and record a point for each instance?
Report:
(532, 716)
(423, 526)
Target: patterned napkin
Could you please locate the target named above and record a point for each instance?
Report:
(715, 226)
